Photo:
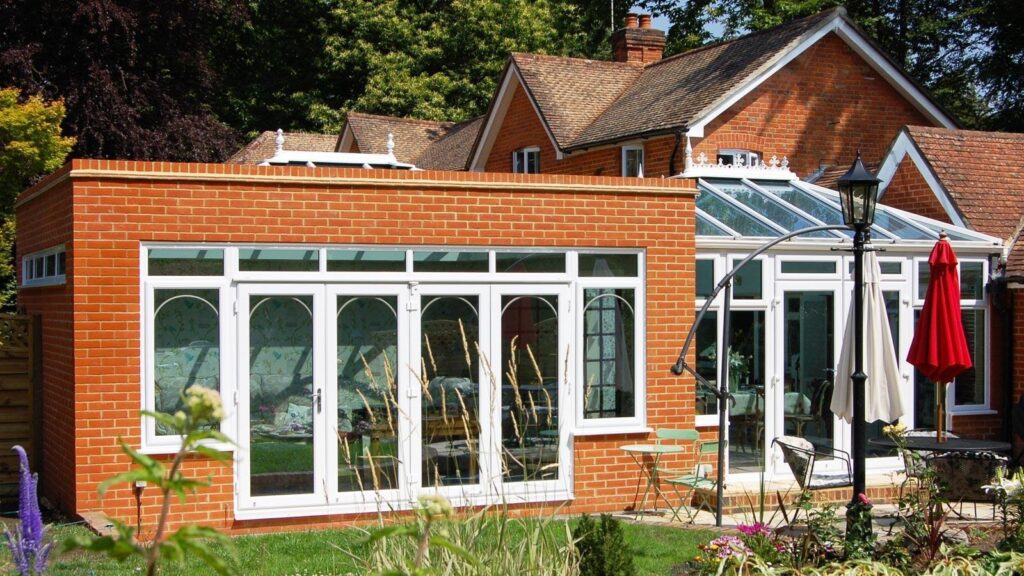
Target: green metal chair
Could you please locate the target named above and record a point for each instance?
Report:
(700, 485)
(687, 436)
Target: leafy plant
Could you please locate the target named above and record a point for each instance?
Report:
(202, 408)
(28, 552)
(602, 548)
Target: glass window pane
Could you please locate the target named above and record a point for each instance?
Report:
(450, 261)
(529, 262)
(601, 265)
(972, 281)
(809, 369)
(634, 158)
(529, 388)
(732, 216)
(176, 262)
(970, 385)
(186, 346)
(281, 394)
(706, 228)
(705, 278)
(450, 409)
(707, 365)
(924, 276)
(61, 262)
(746, 383)
(366, 260)
(51, 265)
(609, 339)
(533, 162)
(808, 267)
(367, 357)
(746, 285)
(760, 203)
(278, 260)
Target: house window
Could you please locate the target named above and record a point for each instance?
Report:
(526, 160)
(632, 161)
(44, 268)
(731, 156)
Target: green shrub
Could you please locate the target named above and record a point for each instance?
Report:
(602, 548)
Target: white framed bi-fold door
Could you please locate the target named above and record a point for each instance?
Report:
(808, 337)
(282, 416)
(367, 383)
(450, 399)
(531, 338)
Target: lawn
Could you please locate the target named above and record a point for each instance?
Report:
(329, 552)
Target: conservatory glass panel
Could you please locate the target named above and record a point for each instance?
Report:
(768, 208)
(278, 260)
(450, 261)
(366, 261)
(706, 228)
(527, 262)
(815, 207)
(733, 217)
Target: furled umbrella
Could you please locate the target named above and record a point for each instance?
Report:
(939, 349)
(881, 389)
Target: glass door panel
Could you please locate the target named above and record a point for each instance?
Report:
(451, 393)
(809, 366)
(282, 408)
(746, 384)
(530, 375)
(366, 356)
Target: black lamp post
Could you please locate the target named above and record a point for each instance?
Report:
(858, 192)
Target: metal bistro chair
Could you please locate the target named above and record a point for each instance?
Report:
(961, 476)
(801, 456)
(915, 462)
(700, 485)
(673, 435)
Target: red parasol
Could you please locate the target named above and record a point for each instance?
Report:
(939, 349)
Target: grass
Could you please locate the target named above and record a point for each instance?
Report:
(656, 550)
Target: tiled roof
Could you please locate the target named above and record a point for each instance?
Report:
(1015, 259)
(452, 151)
(572, 92)
(263, 146)
(829, 177)
(674, 92)
(981, 172)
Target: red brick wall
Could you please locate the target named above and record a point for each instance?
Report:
(819, 108)
(43, 224)
(112, 215)
(909, 191)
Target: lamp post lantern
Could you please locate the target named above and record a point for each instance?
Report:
(858, 193)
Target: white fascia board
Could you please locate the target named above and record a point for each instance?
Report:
(696, 129)
(893, 75)
(901, 148)
(494, 122)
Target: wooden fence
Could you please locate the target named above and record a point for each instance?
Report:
(19, 421)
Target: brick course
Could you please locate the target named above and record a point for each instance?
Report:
(103, 210)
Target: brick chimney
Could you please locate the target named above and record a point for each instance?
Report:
(638, 42)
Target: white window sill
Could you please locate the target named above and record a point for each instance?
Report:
(155, 450)
(610, 431)
(979, 411)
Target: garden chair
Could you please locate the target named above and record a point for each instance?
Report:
(697, 484)
(801, 456)
(962, 475)
(915, 462)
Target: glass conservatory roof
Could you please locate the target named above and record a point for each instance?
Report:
(741, 208)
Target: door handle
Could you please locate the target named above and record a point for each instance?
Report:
(318, 399)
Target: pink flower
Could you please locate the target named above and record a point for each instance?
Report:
(755, 529)
(863, 499)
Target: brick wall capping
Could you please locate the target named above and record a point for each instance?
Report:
(355, 177)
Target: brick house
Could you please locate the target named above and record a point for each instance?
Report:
(966, 178)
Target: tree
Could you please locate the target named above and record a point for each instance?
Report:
(1001, 66)
(30, 146)
(135, 76)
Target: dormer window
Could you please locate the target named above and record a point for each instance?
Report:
(526, 160)
(633, 161)
(731, 156)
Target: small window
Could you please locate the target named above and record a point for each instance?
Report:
(746, 284)
(705, 278)
(44, 267)
(278, 260)
(972, 280)
(526, 161)
(366, 260)
(608, 265)
(529, 262)
(185, 262)
(443, 261)
(633, 161)
(808, 267)
(729, 157)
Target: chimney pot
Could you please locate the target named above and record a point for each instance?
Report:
(645, 20)
(635, 43)
(631, 20)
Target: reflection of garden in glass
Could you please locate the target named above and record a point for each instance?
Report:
(529, 388)
(280, 395)
(450, 425)
(608, 341)
(186, 342)
(367, 353)
(746, 383)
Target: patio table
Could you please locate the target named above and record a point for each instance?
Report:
(639, 452)
(930, 444)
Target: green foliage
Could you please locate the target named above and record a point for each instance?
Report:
(30, 142)
(203, 408)
(601, 548)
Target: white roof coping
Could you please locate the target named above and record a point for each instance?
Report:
(775, 169)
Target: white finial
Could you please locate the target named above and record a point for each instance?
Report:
(785, 162)
(309, 164)
(279, 141)
(391, 144)
(689, 154)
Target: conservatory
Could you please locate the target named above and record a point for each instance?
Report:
(788, 307)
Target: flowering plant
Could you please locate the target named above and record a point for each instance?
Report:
(895, 431)
(28, 552)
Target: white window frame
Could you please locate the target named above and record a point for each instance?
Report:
(28, 261)
(640, 166)
(521, 160)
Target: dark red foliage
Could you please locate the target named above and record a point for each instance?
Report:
(135, 76)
